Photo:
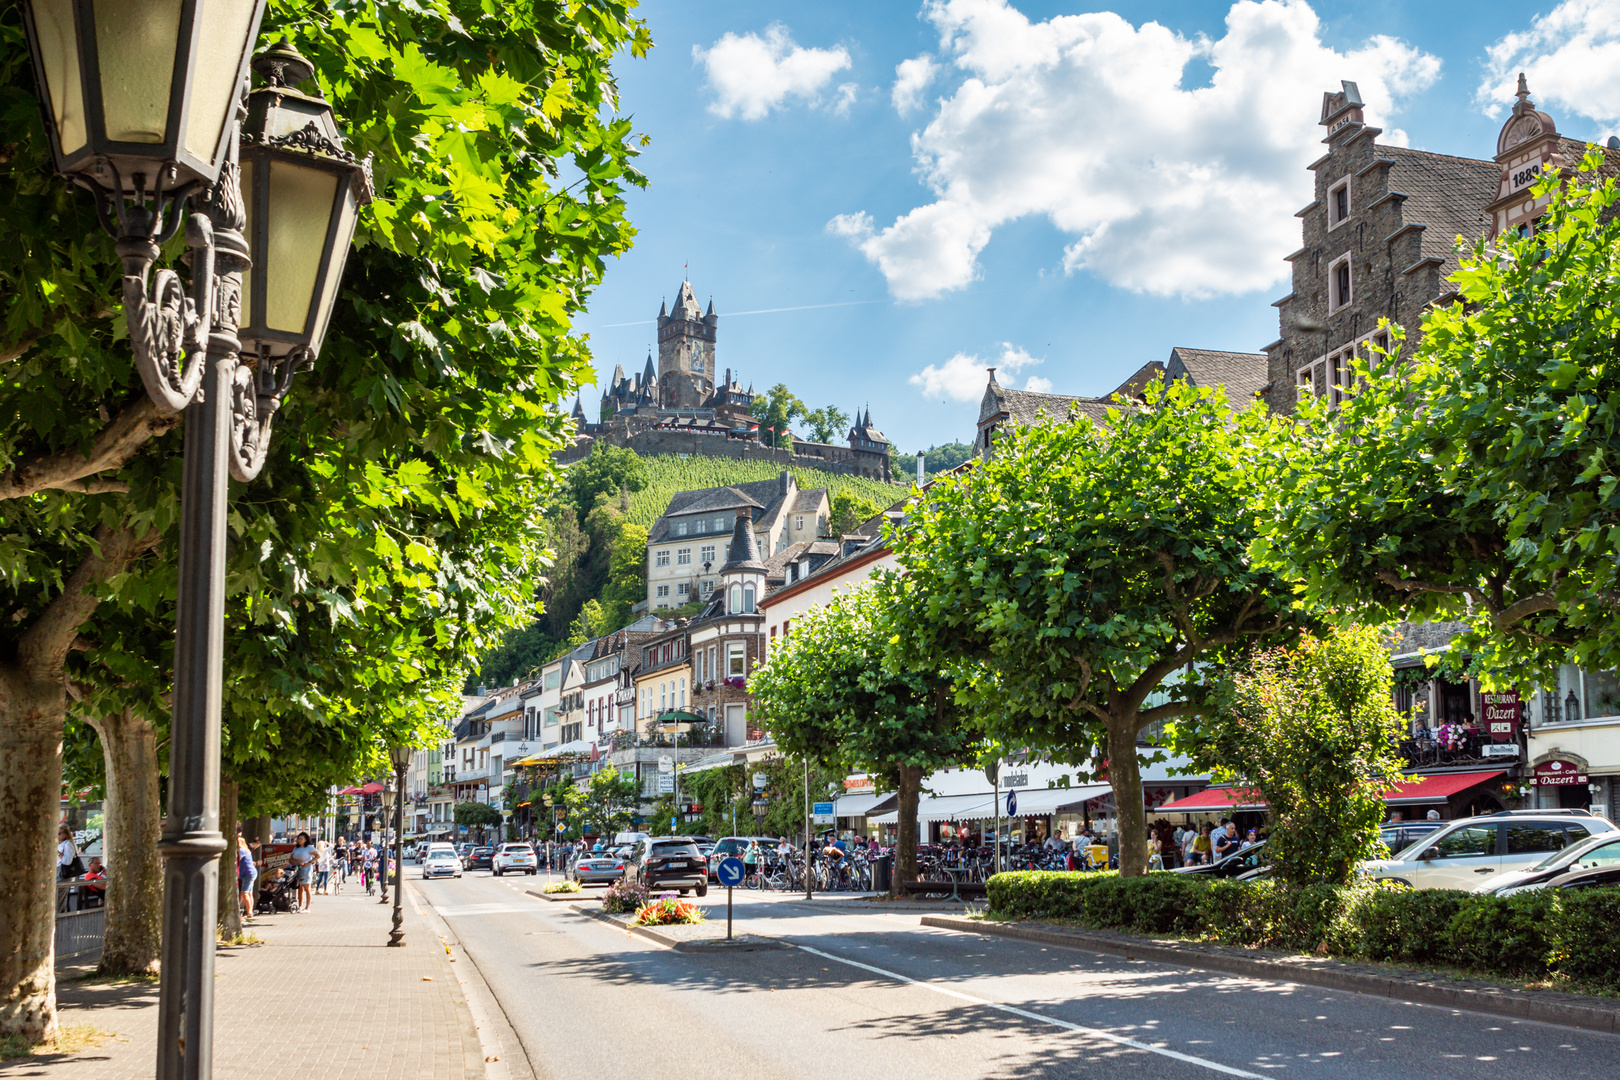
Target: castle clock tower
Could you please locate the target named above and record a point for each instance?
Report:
(686, 352)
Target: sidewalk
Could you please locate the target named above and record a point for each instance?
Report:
(322, 997)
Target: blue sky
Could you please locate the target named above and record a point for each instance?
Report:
(1067, 191)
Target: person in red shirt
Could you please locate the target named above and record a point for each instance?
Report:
(95, 880)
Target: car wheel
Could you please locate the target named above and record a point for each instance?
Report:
(702, 890)
(495, 870)
(685, 891)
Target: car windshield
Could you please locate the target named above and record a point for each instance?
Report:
(1575, 851)
(440, 856)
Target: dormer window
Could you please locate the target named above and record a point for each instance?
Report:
(1339, 203)
(1339, 290)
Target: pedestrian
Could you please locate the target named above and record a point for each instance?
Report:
(303, 859)
(1226, 842)
(1433, 815)
(323, 867)
(1251, 838)
(247, 873)
(68, 863)
(368, 861)
(340, 863)
(1203, 848)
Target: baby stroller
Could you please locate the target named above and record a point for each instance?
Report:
(278, 894)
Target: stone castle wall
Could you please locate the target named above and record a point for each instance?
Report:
(642, 435)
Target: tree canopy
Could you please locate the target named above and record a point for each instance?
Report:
(1067, 579)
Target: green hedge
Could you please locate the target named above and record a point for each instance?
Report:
(1534, 935)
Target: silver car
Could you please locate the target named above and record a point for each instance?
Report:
(441, 864)
(598, 869)
(1598, 852)
(1471, 852)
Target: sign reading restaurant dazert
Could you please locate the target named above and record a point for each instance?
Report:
(1560, 773)
(1501, 714)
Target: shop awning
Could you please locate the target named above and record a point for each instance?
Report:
(1031, 802)
(1215, 798)
(1437, 787)
(863, 805)
(704, 764)
(557, 753)
(369, 789)
(348, 791)
(1041, 801)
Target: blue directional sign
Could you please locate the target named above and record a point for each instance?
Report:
(731, 871)
(1012, 804)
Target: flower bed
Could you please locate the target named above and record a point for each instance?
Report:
(624, 896)
(564, 886)
(1546, 934)
(668, 911)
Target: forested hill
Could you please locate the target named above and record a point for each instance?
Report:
(598, 530)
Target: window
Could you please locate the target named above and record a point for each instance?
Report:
(1534, 837)
(748, 598)
(798, 523)
(1339, 203)
(785, 624)
(1473, 841)
(1607, 855)
(707, 587)
(683, 589)
(663, 591)
(683, 556)
(706, 554)
(736, 599)
(736, 657)
(663, 697)
(683, 694)
(661, 557)
(719, 524)
(680, 528)
(1339, 292)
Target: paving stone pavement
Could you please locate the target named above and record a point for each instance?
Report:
(322, 997)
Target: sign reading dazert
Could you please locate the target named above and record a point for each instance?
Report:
(1501, 714)
(1560, 773)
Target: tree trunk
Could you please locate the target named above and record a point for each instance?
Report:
(31, 717)
(134, 936)
(230, 903)
(1125, 775)
(908, 793)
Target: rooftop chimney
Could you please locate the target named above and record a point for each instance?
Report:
(920, 470)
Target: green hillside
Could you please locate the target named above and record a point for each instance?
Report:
(667, 476)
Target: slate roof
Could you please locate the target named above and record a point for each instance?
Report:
(766, 498)
(1447, 194)
(1137, 383)
(1026, 406)
(1241, 374)
(744, 550)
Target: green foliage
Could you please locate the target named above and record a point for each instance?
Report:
(668, 475)
(1478, 481)
(1566, 936)
(1313, 729)
(827, 424)
(1065, 580)
(611, 799)
(606, 471)
(776, 412)
(848, 511)
(477, 814)
(945, 457)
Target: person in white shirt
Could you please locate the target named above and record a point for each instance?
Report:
(66, 853)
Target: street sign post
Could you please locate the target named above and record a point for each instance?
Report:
(730, 873)
(823, 814)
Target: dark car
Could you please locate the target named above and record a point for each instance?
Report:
(481, 858)
(1249, 859)
(669, 862)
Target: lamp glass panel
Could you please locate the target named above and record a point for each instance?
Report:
(135, 46)
(300, 209)
(59, 53)
(223, 27)
(334, 272)
(249, 172)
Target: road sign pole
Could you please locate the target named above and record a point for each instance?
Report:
(728, 912)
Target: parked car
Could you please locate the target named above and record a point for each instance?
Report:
(596, 869)
(1585, 863)
(514, 858)
(441, 862)
(1397, 836)
(669, 862)
(736, 845)
(481, 857)
(1235, 865)
(1465, 853)
(628, 839)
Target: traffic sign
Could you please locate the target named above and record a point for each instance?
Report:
(730, 872)
(1012, 804)
(561, 827)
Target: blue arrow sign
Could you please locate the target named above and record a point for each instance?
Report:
(730, 872)
(1012, 804)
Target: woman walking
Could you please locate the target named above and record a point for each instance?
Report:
(247, 875)
(303, 860)
(323, 866)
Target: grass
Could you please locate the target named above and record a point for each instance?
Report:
(244, 938)
(102, 979)
(563, 887)
(70, 1039)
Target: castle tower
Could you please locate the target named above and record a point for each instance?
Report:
(686, 352)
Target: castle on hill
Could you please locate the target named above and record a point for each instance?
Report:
(682, 408)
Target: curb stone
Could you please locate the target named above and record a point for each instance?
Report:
(1543, 1006)
(746, 943)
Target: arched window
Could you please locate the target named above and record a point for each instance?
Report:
(736, 599)
(748, 598)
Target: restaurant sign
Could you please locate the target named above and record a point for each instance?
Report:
(859, 784)
(1559, 773)
(1501, 711)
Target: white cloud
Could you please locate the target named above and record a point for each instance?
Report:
(751, 75)
(1039, 385)
(911, 78)
(1084, 119)
(1570, 57)
(963, 376)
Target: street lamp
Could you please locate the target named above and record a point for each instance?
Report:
(143, 106)
(401, 757)
(382, 820)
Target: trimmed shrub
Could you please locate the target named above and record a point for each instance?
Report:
(1398, 924)
(1585, 946)
(1504, 935)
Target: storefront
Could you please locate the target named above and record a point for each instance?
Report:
(1451, 795)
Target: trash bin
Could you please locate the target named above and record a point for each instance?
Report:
(883, 873)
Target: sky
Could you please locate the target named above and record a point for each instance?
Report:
(883, 199)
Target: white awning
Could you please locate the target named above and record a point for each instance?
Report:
(861, 805)
(982, 806)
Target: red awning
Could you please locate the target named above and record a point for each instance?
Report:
(349, 791)
(1437, 787)
(371, 788)
(1416, 789)
(1215, 798)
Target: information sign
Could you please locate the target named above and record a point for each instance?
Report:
(822, 814)
(1012, 804)
(666, 784)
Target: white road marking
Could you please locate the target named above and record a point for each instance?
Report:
(1121, 1040)
(481, 909)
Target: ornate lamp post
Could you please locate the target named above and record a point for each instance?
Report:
(143, 106)
(383, 822)
(401, 756)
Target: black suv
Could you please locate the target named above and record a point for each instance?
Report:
(669, 862)
(481, 858)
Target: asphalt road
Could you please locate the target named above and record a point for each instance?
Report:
(878, 996)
